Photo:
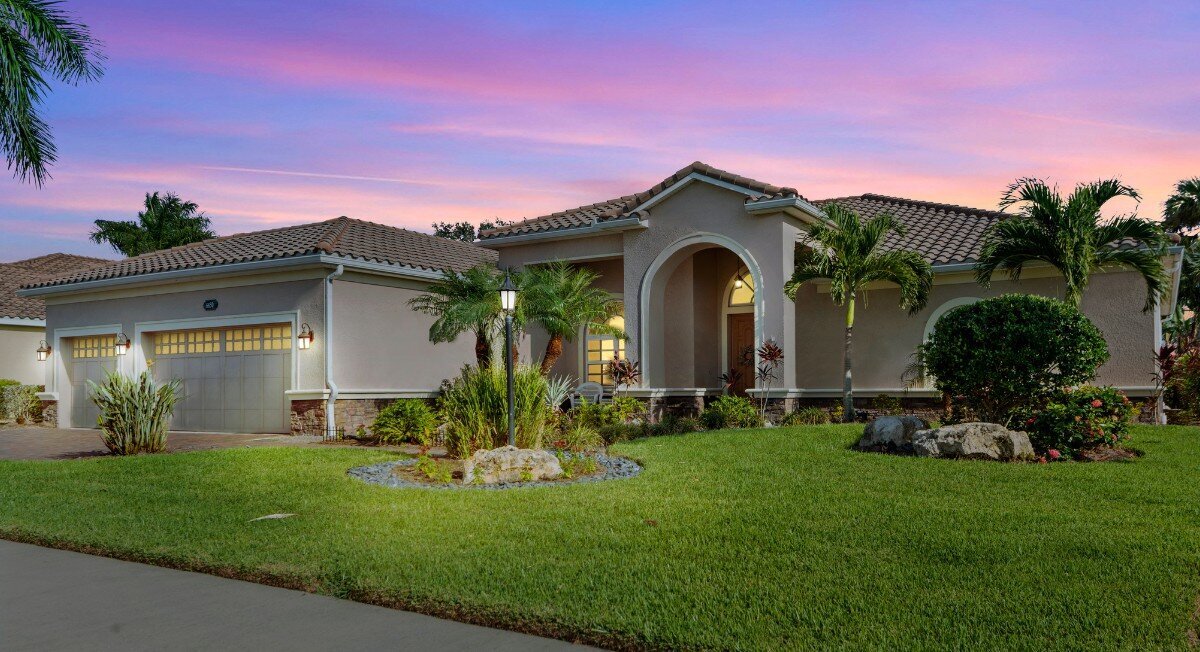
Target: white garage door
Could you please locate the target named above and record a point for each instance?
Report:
(90, 358)
(232, 379)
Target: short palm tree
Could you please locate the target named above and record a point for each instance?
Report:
(1071, 236)
(1182, 209)
(847, 251)
(562, 299)
(167, 222)
(37, 40)
(464, 302)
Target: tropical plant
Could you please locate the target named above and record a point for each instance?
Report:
(1071, 236)
(729, 379)
(1011, 352)
(624, 373)
(770, 358)
(848, 251)
(1182, 209)
(38, 41)
(1189, 278)
(166, 222)
(474, 407)
(463, 302)
(134, 412)
(558, 390)
(577, 436)
(730, 412)
(806, 416)
(1077, 420)
(405, 420)
(562, 298)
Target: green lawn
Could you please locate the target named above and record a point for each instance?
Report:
(757, 539)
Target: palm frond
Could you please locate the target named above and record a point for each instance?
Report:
(1012, 243)
(1182, 208)
(1146, 263)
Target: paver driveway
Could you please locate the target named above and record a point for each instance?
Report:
(66, 443)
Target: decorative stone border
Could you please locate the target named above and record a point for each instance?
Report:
(615, 468)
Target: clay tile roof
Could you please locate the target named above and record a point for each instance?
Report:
(35, 270)
(340, 236)
(942, 233)
(623, 206)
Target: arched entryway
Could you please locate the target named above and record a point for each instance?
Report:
(686, 322)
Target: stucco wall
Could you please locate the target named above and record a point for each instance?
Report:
(382, 344)
(885, 336)
(18, 354)
(593, 247)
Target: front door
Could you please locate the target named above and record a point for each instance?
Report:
(741, 351)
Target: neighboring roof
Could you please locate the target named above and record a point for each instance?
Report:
(35, 270)
(944, 234)
(340, 236)
(621, 207)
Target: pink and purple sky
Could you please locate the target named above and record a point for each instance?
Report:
(277, 112)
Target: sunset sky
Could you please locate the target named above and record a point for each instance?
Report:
(269, 113)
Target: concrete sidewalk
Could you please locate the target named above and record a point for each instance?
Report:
(59, 600)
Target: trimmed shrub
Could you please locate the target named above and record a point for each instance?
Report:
(474, 407)
(887, 405)
(405, 420)
(1012, 352)
(1078, 420)
(134, 413)
(730, 412)
(19, 402)
(808, 416)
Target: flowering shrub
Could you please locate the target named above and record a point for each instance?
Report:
(1078, 420)
(1183, 382)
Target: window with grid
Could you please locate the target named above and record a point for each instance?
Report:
(184, 342)
(601, 349)
(99, 346)
(259, 338)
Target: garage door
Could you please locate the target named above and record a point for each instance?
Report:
(232, 379)
(90, 359)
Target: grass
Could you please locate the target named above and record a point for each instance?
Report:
(749, 540)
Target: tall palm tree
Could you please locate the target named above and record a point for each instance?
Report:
(167, 222)
(37, 40)
(1071, 235)
(848, 251)
(562, 299)
(1182, 209)
(462, 302)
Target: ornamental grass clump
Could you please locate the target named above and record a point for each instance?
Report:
(134, 412)
(474, 407)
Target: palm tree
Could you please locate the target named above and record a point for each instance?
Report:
(1182, 209)
(563, 298)
(1071, 236)
(167, 222)
(37, 40)
(462, 302)
(848, 252)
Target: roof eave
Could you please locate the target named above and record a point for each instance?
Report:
(595, 228)
(30, 322)
(793, 206)
(404, 271)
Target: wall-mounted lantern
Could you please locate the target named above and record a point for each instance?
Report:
(43, 351)
(305, 338)
(122, 345)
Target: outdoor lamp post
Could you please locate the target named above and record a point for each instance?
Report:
(508, 303)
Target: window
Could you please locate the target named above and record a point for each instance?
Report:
(183, 342)
(601, 349)
(743, 290)
(269, 338)
(100, 346)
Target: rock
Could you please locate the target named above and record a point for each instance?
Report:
(892, 434)
(976, 441)
(510, 464)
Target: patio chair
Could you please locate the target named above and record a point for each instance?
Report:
(590, 392)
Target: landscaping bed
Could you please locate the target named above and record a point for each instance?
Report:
(752, 539)
(407, 473)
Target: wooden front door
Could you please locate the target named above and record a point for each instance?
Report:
(741, 350)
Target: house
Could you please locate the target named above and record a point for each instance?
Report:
(23, 319)
(272, 331)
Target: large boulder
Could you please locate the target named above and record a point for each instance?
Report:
(510, 464)
(975, 441)
(891, 434)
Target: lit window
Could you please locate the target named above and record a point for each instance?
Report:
(184, 342)
(601, 349)
(743, 295)
(100, 346)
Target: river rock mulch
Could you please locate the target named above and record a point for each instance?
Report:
(382, 473)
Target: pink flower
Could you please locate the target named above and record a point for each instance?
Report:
(1054, 454)
(1097, 403)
